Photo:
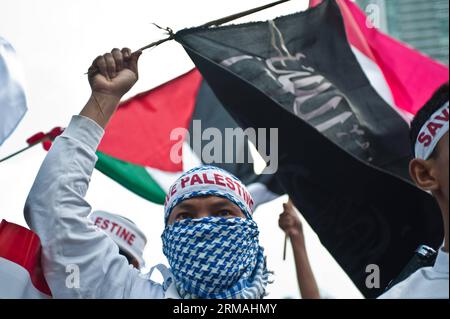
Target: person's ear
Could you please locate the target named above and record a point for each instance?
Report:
(422, 173)
(135, 263)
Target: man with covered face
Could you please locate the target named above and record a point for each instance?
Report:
(210, 238)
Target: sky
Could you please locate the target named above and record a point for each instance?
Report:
(56, 41)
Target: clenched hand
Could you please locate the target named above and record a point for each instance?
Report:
(111, 76)
(114, 73)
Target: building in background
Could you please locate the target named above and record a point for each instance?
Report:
(421, 24)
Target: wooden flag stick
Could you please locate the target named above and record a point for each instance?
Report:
(286, 238)
(155, 44)
(17, 153)
(216, 23)
(171, 36)
(236, 16)
(45, 138)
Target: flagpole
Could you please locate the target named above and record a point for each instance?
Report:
(25, 149)
(171, 36)
(215, 23)
(17, 153)
(236, 16)
(286, 238)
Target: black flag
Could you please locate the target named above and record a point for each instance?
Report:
(210, 113)
(343, 151)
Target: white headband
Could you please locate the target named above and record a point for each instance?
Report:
(432, 132)
(123, 232)
(205, 181)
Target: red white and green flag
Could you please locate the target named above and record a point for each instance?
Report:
(136, 149)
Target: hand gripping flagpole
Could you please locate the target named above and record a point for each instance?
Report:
(214, 23)
(171, 36)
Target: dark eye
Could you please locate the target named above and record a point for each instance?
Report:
(183, 216)
(225, 213)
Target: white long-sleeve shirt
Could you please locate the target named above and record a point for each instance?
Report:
(425, 283)
(57, 211)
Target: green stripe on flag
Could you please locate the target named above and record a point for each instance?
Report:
(133, 177)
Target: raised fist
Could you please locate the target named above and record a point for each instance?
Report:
(290, 221)
(114, 73)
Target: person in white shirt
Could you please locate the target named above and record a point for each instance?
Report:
(210, 238)
(429, 170)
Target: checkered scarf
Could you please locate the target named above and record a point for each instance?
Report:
(216, 258)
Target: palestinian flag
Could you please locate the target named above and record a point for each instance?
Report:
(341, 100)
(138, 152)
(21, 274)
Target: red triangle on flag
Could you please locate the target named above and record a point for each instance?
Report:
(139, 132)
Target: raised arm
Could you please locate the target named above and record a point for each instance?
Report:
(79, 260)
(290, 223)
